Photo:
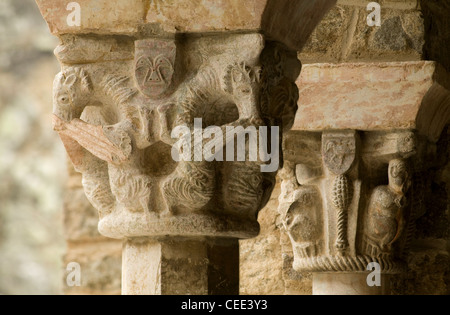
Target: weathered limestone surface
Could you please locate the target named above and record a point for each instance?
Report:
(374, 96)
(261, 265)
(344, 36)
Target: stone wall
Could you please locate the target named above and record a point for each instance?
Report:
(344, 36)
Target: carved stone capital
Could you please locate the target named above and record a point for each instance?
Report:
(119, 122)
(357, 204)
(354, 177)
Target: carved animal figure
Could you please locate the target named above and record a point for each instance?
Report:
(193, 184)
(385, 217)
(244, 185)
(72, 92)
(242, 84)
(99, 145)
(301, 221)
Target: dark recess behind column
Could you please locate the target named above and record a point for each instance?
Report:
(436, 15)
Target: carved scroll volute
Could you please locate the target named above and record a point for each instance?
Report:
(339, 155)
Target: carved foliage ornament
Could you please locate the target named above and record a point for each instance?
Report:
(339, 154)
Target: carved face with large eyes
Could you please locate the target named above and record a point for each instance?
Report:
(154, 66)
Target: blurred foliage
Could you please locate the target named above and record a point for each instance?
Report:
(32, 160)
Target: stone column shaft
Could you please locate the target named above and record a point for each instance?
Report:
(172, 267)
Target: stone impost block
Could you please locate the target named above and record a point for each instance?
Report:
(374, 96)
(287, 21)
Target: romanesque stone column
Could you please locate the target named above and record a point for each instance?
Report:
(146, 104)
(355, 170)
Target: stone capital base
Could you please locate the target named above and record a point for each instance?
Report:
(348, 284)
(129, 225)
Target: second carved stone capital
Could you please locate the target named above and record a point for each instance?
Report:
(350, 198)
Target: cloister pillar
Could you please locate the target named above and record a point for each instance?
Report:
(355, 169)
(144, 104)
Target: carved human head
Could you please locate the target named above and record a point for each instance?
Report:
(154, 66)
